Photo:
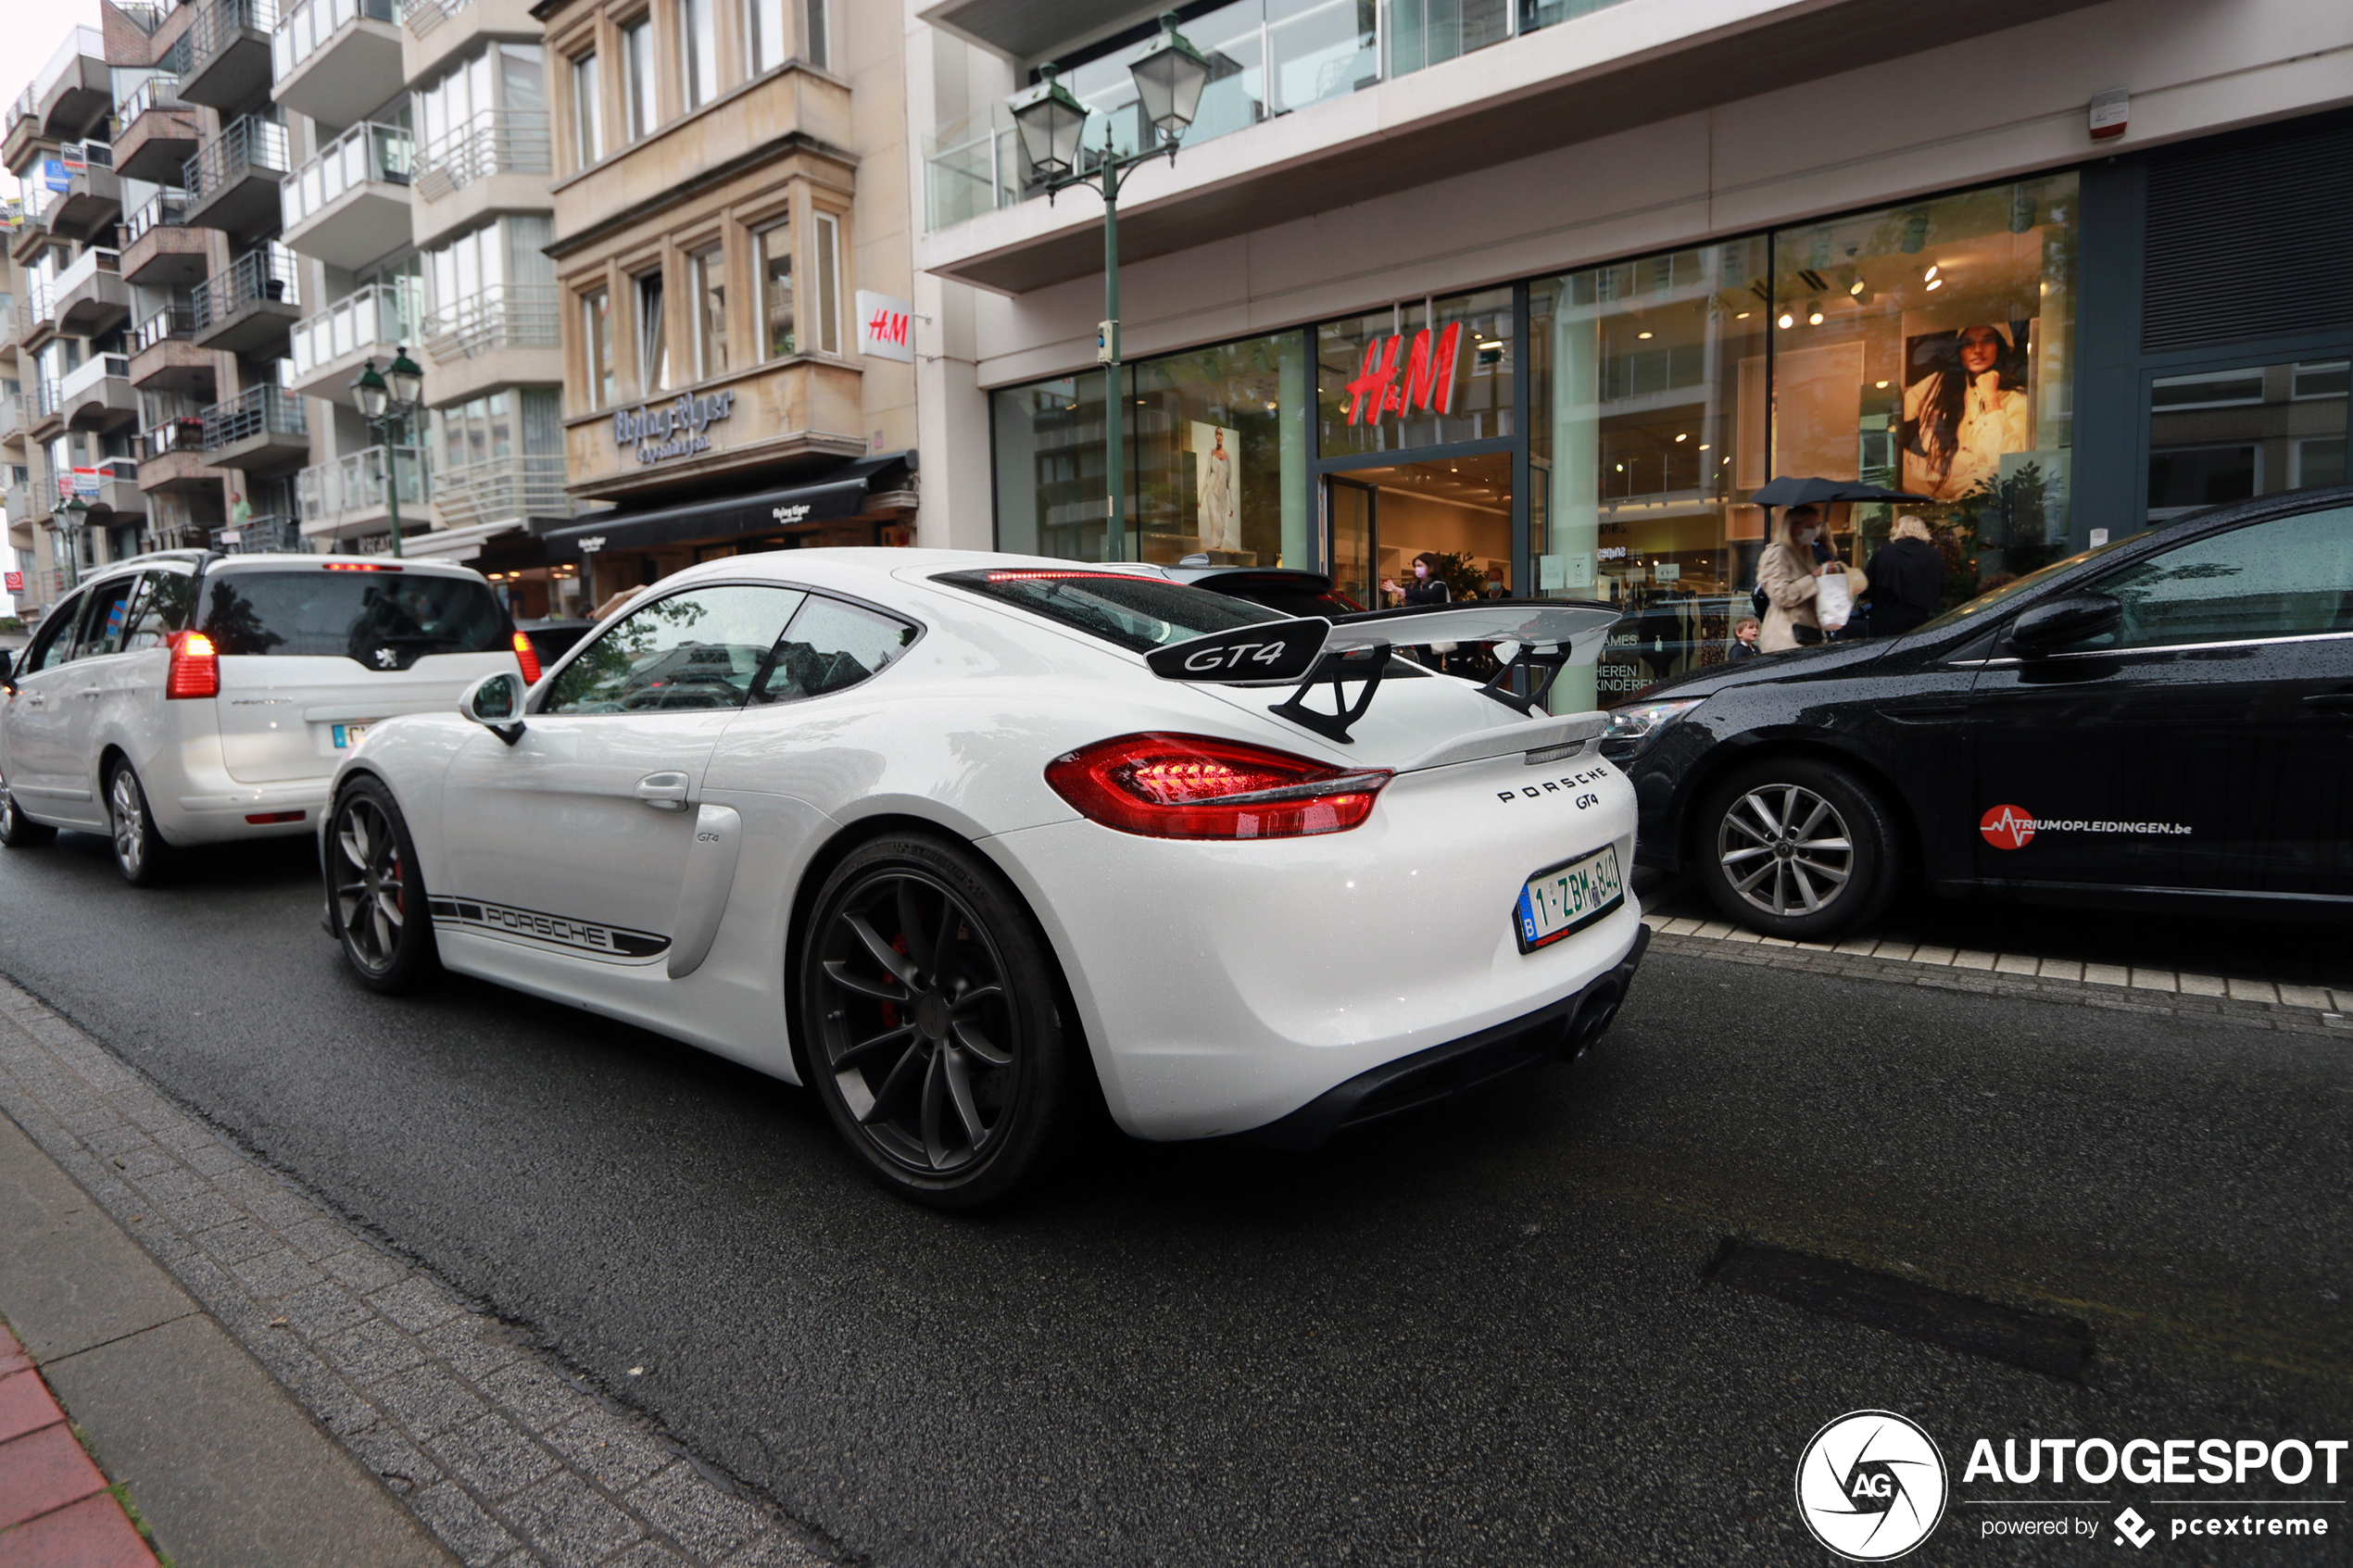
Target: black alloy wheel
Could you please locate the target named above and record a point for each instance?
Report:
(18, 831)
(378, 900)
(140, 853)
(1798, 848)
(931, 1022)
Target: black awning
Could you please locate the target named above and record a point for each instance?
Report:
(843, 494)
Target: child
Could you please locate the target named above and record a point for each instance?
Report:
(1744, 632)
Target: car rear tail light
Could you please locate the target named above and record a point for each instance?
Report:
(528, 656)
(195, 668)
(360, 566)
(1194, 786)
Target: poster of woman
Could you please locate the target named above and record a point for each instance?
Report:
(1218, 511)
(1964, 405)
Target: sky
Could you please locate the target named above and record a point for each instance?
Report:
(30, 32)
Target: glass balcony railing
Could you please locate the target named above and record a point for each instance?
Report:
(165, 210)
(531, 485)
(274, 533)
(264, 273)
(175, 320)
(1266, 58)
(380, 315)
(424, 15)
(311, 25)
(258, 411)
(367, 153)
(246, 142)
(355, 482)
(509, 315)
(493, 142)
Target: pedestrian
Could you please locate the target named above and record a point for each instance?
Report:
(1426, 588)
(1744, 633)
(1790, 578)
(1907, 579)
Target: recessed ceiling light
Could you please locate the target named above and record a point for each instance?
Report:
(1742, 317)
(1641, 335)
(1813, 320)
(1929, 276)
(1881, 384)
(1684, 436)
(1935, 283)
(1857, 288)
(1702, 445)
(1787, 320)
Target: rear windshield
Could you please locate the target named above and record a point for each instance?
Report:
(1138, 613)
(383, 619)
(1284, 595)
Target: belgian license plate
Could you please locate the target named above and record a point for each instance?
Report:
(1568, 897)
(349, 736)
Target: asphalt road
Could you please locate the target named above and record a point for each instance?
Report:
(1479, 1337)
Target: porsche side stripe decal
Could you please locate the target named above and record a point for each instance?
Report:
(576, 935)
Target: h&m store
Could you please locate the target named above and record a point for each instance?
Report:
(2166, 331)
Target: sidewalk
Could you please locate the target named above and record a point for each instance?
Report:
(54, 1506)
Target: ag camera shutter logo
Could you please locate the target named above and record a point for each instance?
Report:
(1871, 1486)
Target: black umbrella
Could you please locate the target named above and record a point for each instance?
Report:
(1790, 491)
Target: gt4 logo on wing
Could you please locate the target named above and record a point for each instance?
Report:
(1271, 650)
(529, 925)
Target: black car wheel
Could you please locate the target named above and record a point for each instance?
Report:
(381, 917)
(931, 1021)
(1797, 847)
(18, 831)
(140, 853)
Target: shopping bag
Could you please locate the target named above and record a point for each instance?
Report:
(1833, 603)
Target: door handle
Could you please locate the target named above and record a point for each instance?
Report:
(663, 792)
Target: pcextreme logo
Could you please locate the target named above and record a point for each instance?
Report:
(1871, 1486)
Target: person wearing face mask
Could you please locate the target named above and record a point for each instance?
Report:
(1789, 577)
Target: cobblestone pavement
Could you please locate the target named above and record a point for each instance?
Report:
(503, 1453)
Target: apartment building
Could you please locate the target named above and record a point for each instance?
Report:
(32, 563)
(732, 251)
(68, 426)
(1552, 286)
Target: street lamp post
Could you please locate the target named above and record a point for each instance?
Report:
(72, 516)
(1169, 78)
(385, 402)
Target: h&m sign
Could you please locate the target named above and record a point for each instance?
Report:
(675, 430)
(1427, 380)
(886, 327)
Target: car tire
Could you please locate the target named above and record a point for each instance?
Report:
(140, 853)
(18, 831)
(1797, 847)
(932, 1022)
(376, 903)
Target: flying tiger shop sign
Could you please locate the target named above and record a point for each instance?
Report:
(1424, 381)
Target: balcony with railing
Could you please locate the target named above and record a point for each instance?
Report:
(172, 455)
(232, 180)
(496, 159)
(329, 55)
(493, 491)
(440, 29)
(499, 337)
(229, 53)
(160, 248)
(163, 356)
(261, 428)
(92, 200)
(331, 346)
(98, 393)
(159, 133)
(37, 311)
(249, 307)
(118, 494)
(349, 205)
(14, 418)
(91, 297)
(70, 96)
(344, 497)
(259, 535)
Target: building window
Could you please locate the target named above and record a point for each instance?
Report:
(817, 53)
(764, 34)
(828, 303)
(708, 269)
(653, 339)
(698, 53)
(637, 60)
(776, 336)
(595, 337)
(588, 122)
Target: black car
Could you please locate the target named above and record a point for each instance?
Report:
(2164, 721)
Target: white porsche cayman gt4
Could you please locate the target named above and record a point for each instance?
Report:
(937, 833)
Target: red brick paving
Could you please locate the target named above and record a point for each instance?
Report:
(55, 1508)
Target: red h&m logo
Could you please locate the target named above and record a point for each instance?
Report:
(888, 326)
(1428, 384)
(2007, 827)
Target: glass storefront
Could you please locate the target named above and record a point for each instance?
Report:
(1599, 434)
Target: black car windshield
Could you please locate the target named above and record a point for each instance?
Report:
(1138, 613)
(2009, 591)
(1285, 595)
(383, 618)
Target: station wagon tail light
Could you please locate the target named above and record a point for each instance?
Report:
(359, 566)
(195, 668)
(528, 656)
(1195, 787)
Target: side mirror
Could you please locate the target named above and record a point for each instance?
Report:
(7, 670)
(2056, 622)
(495, 703)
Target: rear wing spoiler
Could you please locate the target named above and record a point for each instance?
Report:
(1541, 636)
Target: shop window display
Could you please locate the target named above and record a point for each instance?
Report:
(1220, 470)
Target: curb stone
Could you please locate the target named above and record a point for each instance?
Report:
(505, 1455)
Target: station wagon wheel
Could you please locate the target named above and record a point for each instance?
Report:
(1797, 847)
(376, 898)
(18, 831)
(930, 1020)
(140, 853)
